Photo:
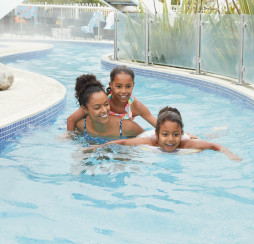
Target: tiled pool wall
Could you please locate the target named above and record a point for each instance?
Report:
(26, 55)
(204, 85)
(42, 117)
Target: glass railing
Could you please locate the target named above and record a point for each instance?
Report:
(248, 55)
(182, 40)
(131, 37)
(172, 40)
(59, 22)
(220, 44)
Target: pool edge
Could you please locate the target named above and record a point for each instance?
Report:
(221, 84)
(36, 116)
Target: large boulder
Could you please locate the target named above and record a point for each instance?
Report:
(6, 77)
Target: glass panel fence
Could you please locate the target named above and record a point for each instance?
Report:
(173, 40)
(63, 22)
(94, 24)
(220, 44)
(248, 55)
(131, 37)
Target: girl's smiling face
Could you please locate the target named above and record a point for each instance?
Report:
(122, 87)
(169, 136)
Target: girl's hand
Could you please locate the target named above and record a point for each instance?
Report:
(230, 155)
(234, 157)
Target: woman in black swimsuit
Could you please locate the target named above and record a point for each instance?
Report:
(94, 102)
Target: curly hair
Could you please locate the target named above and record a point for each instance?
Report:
(86, 85)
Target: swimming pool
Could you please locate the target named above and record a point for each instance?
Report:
(51, 192)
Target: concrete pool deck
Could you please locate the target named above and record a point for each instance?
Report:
(30, 93)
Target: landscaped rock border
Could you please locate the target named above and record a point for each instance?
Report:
(6, 77)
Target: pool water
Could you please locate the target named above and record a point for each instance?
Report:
(53, 192)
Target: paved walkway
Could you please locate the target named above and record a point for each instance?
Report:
(30, 93)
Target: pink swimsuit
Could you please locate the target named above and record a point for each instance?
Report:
(128, 114)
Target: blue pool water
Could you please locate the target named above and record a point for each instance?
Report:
(52, 192)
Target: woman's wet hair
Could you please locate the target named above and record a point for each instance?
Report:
(168, 114)
(118, 70)
(86, 85)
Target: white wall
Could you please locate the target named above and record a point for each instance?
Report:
(7, 5)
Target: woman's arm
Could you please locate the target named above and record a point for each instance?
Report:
(204, 145)
(72, 119)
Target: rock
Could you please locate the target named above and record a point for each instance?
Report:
(6, 78)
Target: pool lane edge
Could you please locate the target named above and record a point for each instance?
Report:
(211, 82)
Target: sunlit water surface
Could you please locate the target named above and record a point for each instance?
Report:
(53, 192)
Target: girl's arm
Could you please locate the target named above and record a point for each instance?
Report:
(204, 145)
(72, 119)
(80, 125)
(144, 112)
(132, 141)
(126, 142)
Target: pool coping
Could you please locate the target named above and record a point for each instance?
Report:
(214, 83)
(27, 103)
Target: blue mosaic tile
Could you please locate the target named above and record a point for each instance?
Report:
(37, 120)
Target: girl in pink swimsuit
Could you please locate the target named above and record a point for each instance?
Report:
(122, 102)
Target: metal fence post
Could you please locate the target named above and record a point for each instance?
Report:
(242, 26)
(115, 37)
(198, 44)
(147, 39)
(61, 23)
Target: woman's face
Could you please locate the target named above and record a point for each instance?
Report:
(98, 107)
(122, 87)
(169, 136)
